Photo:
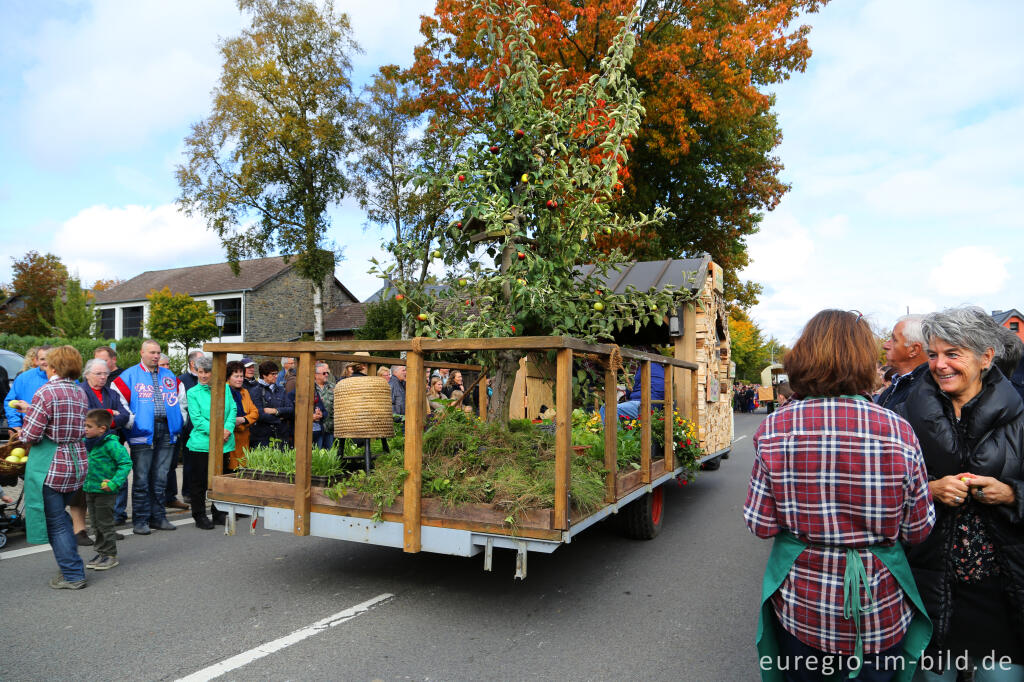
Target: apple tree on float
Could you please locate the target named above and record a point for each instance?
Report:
(532, 192)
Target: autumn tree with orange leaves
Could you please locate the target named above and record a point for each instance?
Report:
(704, 150)
(531, 188)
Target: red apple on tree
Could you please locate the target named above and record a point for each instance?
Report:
(462, 178)
(422, 317)
(520, 133)
(399, 297)
(521, 255)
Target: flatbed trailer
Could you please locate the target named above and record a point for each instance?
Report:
(697, 380)
(414, 523)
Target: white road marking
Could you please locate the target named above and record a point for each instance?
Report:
(737, 440)
(15, 553)
(218, 669)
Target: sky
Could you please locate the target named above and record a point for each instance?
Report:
(901, 143)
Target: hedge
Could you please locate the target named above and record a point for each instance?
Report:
(127, 349)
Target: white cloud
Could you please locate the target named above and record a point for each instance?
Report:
(780, 250)
(103, 242)
(970, 271)
(120, 74)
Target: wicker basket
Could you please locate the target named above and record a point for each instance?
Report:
(8, 469)
(362, 408)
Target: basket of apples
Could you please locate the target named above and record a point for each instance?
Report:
(13, 456)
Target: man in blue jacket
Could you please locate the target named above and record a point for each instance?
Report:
(23, 388)
(155, 396)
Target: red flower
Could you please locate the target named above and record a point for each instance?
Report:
(687, 441)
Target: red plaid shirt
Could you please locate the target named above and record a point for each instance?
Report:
(840, 472)
(58, 412)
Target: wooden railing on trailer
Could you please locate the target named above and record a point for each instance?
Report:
(416, 351)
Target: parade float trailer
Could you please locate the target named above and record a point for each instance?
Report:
(696, 375)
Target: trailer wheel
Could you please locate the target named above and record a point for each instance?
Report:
(642, 518)
(712, 464)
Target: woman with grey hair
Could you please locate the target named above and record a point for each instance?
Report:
(198, 447)
(101, 397)
(970, 571)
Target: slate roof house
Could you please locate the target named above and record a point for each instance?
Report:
(1011, 319)
(267, 301)
(341, 323)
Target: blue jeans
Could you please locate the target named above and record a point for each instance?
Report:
(62, 535)
(149, 476)
(802, 663)
(121, 504)
(323, 439)
(629, 408)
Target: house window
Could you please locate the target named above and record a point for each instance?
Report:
(1015, 326)
(107, 323)
(131, 321)
(232, 308)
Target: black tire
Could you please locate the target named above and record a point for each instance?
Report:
(642, 518)
(726, 454)
(3, 539)
(712, 464)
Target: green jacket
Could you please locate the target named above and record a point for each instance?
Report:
(108, 461)
(199, 414)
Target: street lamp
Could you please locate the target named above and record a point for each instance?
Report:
(219, 319)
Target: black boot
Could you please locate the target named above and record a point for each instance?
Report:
(203, 521)
(219, 517)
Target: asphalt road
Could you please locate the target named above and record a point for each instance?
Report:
(679, 607)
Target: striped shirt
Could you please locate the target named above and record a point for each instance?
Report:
(840, 472)
(58, 412)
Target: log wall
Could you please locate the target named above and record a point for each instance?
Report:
(713, 355)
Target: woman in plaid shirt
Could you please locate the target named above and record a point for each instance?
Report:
(839, 482)
(57, 465)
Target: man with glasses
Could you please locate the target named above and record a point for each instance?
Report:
(323, 414)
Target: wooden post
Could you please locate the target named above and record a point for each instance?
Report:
(415, 392)
(217, 391)
(611, 431)
(670, 419)
(303, 441)
(645, 421)
(483, 396)
(563, 437)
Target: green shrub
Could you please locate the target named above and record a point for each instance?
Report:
(127, 349)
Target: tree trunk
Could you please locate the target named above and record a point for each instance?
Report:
(502, 381)
(318, 311)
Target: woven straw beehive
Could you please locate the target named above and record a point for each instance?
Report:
(362, 408)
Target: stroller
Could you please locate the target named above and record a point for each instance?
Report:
(12, 517)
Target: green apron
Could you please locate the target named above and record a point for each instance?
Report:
(36, 468)
(785, 550)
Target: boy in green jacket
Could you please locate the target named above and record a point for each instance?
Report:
(109, 465)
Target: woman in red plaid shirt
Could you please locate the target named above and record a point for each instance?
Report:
(57, 464)
(839, 482)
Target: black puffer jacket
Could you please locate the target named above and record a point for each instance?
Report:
(988, 441)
